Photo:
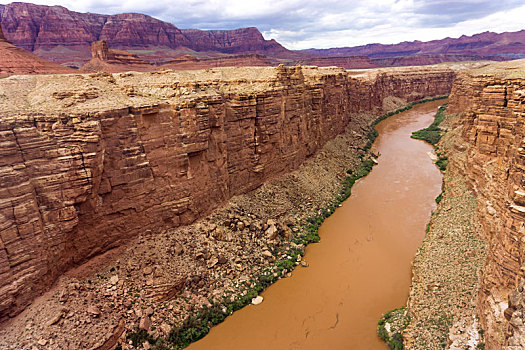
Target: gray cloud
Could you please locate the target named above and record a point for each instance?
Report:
(447, 12)
(326, 23)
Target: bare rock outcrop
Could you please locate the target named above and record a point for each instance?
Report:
(108, 60)
(90, 161)
(491, 100)
(14, 60)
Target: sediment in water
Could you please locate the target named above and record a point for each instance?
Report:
(171, 272)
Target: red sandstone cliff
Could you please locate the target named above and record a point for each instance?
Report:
(65, 36)
(113, 61)
(14, 60)
(492, 102)
(506, 45)
(88, 162)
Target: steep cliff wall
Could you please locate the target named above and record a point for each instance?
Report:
(492, 103)
(64, 36)
(88, 162)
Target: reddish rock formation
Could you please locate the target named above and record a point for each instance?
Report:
(113, 61)
(502, 46)
(241, 40)
(349, 62)
(492, 102)
(89, 162)
(65, 36)
(105, 60)
(14, 60)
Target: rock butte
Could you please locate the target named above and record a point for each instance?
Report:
(107, 60)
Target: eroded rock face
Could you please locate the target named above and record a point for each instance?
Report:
(240, 40)
(108, 60)
(499, 46)
(14, 60)
(494, 114)
(47, 30)
(88, 162)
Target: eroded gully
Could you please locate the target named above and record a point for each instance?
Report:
(361, 268)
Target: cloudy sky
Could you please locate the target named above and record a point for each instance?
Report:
(300, 24)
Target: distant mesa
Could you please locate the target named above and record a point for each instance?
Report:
(65, 36)
(104, 59)
(140, 42)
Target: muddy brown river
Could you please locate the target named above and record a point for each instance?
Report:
(361, 267)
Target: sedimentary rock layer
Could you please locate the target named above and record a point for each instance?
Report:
(492, 103)
(87, 162)
(64, 36)
(14, 60)
(108, 60)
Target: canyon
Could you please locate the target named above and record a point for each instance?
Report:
(127, 199)
(93, 162)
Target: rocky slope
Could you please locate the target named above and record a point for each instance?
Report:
(491, 100)
(14, 60)
(108, 60)
(89, 162)
(485, 151)
(64, 36)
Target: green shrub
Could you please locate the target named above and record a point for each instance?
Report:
(433, 133)
(198, 324)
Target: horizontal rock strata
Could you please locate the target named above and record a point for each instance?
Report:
(89, 161)
(492, 103)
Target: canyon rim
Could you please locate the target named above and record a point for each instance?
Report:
(154, 180)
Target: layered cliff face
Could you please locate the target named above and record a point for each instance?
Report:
(108, 60)
(500, 46)
(64, 36)
(14, 60)
(89, 162)
(492, 103)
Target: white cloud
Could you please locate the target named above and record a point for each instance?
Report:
(300, 24)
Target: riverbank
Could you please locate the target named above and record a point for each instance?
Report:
(224, 257)
(447, 266)
(362, 265)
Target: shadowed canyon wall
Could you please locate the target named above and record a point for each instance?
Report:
(493, 108)
(89, 161)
